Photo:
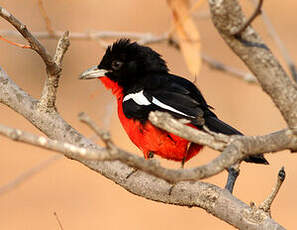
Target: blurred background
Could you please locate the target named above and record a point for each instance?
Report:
(84, 199)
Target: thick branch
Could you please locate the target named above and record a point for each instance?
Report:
(227, 17)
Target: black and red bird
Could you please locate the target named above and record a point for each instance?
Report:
(141, 82)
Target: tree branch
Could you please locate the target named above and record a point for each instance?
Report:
(209, 197)
(28, 174)
(266, 205)
(279, 43)
(51, 66)
(227, 16)
(236, 150)
(49, 92)
(15, 44)
(190, 194)
(46, 18)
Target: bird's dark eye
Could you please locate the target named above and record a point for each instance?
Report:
(116, 65)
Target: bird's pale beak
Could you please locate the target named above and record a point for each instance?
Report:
(92, 72)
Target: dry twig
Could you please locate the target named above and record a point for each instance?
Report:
(15, 43)
(58, 220)
(266, 204)
(28, 174)
(46, 18)
(51, 66)
(291, 64)
(219, 66)
(251, 18)
(104, 135)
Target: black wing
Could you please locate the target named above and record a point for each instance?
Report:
(179, 97)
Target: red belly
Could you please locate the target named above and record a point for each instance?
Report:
(148, 138)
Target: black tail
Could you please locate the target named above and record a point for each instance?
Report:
(216, 125)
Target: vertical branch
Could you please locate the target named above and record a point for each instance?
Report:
(49, 92)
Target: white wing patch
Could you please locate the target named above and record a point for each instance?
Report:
(164, 106)
(140, 99)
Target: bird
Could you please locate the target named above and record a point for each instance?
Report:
(140, 80)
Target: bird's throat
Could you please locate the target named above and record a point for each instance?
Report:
(110, 84)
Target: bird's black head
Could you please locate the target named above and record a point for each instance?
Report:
(127, 62)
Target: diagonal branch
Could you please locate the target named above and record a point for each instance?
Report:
(28, 174)
(227, 16)
(286, 55)
(46, 18)
(51, 66)
(15, 44)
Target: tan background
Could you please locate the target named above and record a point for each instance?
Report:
(82, 198)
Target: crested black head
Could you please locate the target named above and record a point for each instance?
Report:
(128, 62)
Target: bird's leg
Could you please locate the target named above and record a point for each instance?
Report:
(233, 173)
(150, 155)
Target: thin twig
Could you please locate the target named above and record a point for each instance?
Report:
(58, 220)
(46, 18)
(266, 204)
(219, 66)
(51, 66)
(251, 19)
(15, 44)
(28, 174)
(104, 135)
(276, 38)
